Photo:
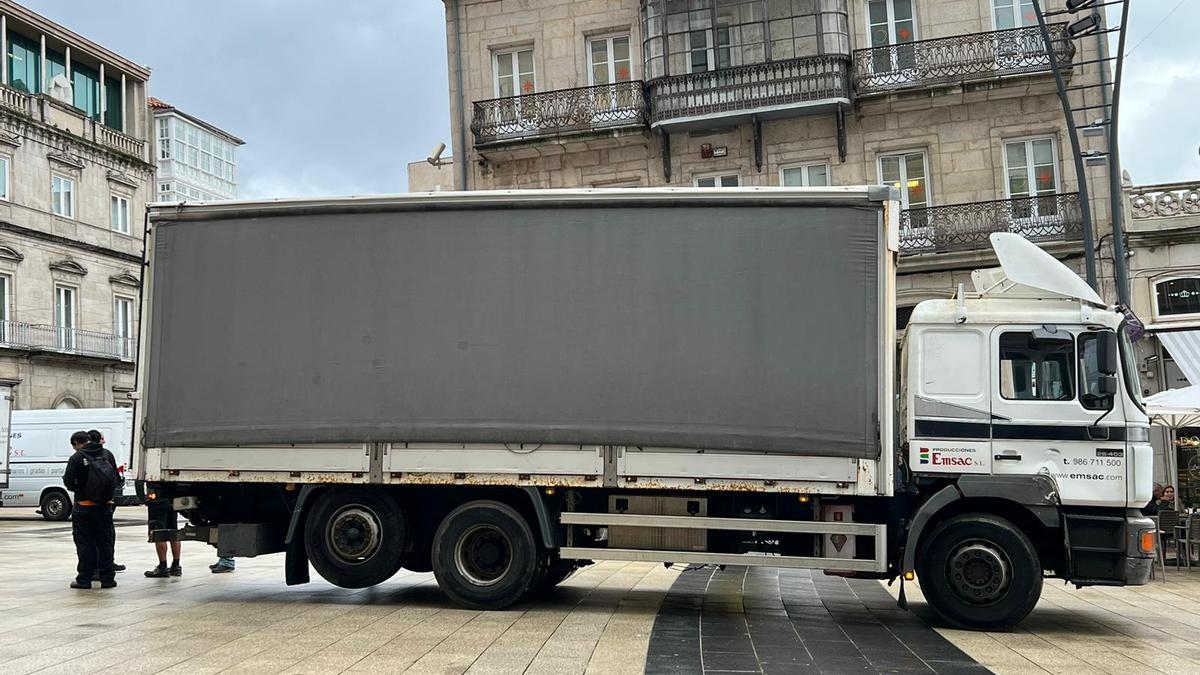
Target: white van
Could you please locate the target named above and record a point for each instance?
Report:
(40, 445)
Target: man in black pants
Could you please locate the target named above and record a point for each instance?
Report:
(91, 520)
(96, 437)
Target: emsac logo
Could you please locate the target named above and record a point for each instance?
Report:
(947, 457)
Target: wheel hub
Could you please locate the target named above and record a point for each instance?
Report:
(354, 534)
(483, 555)
(979, 572)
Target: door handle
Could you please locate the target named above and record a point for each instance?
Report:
(1098, 433)
(999, 458)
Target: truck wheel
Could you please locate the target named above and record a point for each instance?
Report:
(56, 505)
(980, 572)
(550, 574)
(484, 555)
(355, 538)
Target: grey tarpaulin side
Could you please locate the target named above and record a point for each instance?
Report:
(740, 327)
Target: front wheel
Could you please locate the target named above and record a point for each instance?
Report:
(979, 571)
(355, 538)
(484, 555)
(56, 505)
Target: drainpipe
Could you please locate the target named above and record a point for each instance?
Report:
(460, 147)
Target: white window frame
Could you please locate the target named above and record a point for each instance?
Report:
(1028, 141)
(711, 47)
(513, 51)
(65, 330)
(1158, 315)
(119, 199)
(717, 176)
(904, 175)
(891, 21)
(6, 161)
(71, 203)
(123, 329)
(804, 167)
(1018, 20)
(612, 62)
(6, 294)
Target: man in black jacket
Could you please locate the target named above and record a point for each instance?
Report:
(91, 522)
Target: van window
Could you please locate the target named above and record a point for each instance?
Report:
(1036, 369)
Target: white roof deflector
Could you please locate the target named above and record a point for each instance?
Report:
(1026, 264)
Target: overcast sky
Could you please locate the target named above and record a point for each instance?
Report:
(337, 97)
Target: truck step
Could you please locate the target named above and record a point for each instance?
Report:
(713, 523)
(1097, 549)
(1084, 516)
(746, 559)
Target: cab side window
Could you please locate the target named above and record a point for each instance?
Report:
(1034, 368)
(1091, 390)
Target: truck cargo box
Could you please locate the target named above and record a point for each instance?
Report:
(733, 320)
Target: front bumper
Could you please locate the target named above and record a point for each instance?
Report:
(1138, 562)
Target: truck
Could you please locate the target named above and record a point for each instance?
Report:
(503, 386)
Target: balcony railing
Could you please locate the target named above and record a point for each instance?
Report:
(550, 113)
(965, 227)
(960, 58)
(743, 89)
(1169, 200)
(117, 140)
(19, 335)
(14, 99)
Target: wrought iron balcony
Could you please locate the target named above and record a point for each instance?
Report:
(563, 111)
(40, 337)
(960, 58)
(774, 88)
(965, 227)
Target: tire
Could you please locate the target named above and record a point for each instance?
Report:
(56, 505)
(355, 538)
(980, 572)
(484, 555)
(550, 574)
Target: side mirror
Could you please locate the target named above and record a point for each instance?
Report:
(1107, 385)
(1108, 353)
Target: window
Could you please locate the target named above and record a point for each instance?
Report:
(64, 316)
(1031, 170)
(906, 173)
(113, 114)
(62, 196)
(86, 85)
(891, 22)
(514, 73)
(701, 54)
(809, 175)
(120, 214)
(164, 138)
(1013, 13)
(5, 292)
(5, 182)
(123, 325)
(1175, 297)
(56, 64)
(1034, 368)
(608, 60)
(24, 64)
(723, 180)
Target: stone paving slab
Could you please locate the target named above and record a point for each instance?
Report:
(609, 618)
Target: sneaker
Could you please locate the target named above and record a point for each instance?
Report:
(118, 568)
(176, 570)
(77, 584)
(221, 569)
(214, 566)
(111, 583)
(158, 572)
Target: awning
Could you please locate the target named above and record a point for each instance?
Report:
(1184, 346)
(1175, 408)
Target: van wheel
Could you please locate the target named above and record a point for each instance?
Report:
(355, 538)
(484, 555)
(56, 505)
(980, 572)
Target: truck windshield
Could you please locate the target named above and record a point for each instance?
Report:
(1129, 365)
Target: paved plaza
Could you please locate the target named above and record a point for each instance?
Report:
(609, 618)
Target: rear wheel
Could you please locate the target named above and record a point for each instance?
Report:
(355, 538)
(980, 571)
(56, 505)
(551, 573)
(484, 555)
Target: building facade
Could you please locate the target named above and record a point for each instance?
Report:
(75, 177)
(951, 101)
(426, 176)
(1163, 226)
(196, 160)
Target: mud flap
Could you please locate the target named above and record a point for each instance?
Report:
(295, 566)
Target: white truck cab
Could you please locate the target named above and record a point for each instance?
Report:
(1025, 389)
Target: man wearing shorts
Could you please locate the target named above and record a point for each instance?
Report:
(163, 529)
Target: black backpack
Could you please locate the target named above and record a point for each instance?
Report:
(101, 479)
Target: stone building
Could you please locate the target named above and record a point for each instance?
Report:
(75, 177)
(196, 160)
(952, 101)
(1163, 226)
(426, 176)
